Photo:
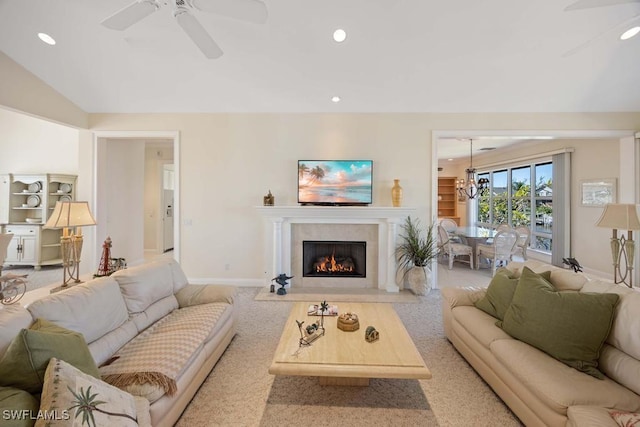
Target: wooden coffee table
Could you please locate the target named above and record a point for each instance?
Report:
(345, 358)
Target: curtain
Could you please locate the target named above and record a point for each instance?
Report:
(561, 232)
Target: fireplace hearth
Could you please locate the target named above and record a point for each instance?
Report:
(343, 259)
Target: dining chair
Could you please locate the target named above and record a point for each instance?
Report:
(453, 249)
(5, 239)
(451, 226)
(503, 227)
(499, 251)
(524, 238)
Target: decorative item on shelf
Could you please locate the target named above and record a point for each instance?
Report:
(12, 288)
(71, 217)
(109, 265)
(371, 334)
(311, 333)
(573, 263)
(272, 288)
(415, 254)
(396, 194)
(621, 217)
(348, 322)
(268, 200)
(470, 188)
(281, 280)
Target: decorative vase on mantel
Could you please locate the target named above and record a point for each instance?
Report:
(396, 194)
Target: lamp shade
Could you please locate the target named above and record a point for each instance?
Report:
(70, 214)
(620, 217)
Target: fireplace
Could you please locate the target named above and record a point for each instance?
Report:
(343, 259)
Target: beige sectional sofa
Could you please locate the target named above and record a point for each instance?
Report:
(135, 314)
(539, 389)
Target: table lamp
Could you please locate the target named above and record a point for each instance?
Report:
(621, 217)
(71, 217)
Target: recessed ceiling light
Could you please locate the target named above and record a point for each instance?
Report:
(450, 160)
(47, 38)
(630, 33)
(335, 99)
(339, 35)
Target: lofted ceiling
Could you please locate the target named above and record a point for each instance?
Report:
(399, 56)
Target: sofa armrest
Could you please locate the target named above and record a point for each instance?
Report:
(192, 295)
(462, 296)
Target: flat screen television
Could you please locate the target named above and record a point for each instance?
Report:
(335, 182)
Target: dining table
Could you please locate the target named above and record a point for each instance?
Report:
(474, 235)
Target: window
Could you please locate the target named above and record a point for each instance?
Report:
(512, 200)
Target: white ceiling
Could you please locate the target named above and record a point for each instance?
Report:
(400, 56)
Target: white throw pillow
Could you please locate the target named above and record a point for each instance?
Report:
(69, 394)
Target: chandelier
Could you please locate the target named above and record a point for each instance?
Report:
(469, 188)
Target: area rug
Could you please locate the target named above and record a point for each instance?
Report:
(337, 295)
(240, 391)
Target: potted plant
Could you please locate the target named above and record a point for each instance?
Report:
(415, 254)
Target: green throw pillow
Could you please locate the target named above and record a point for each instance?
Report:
(17, 407)
(570, 326)
(24, 363)
(499, 294)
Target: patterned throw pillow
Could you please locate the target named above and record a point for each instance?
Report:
(626, 419)
(70, 395)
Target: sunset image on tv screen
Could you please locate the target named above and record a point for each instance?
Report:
(334, 181)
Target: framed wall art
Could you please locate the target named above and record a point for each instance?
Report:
(598, 192)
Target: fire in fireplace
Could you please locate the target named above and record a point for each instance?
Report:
(333, 258)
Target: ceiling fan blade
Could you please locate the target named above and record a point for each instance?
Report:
(588, 4)
(129, 15)
(603, 34)
(244, 10)
(197, 33)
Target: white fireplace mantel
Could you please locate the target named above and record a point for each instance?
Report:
(278, 248)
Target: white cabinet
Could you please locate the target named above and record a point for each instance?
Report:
(5, 191)
(31, 199)
(23, 248)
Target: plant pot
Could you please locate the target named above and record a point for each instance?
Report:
(419, 279)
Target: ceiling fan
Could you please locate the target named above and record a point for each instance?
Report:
(624, 28)
(246, 10)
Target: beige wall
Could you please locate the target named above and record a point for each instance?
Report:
(229, 161)
(30, 145)
(22, 91)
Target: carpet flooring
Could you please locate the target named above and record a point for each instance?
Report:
(240, 391)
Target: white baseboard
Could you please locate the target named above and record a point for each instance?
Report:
(232, 282)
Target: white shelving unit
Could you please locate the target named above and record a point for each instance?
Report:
(31, 199)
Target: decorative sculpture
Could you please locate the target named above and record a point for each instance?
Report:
(371, 334)
(108, 265)
(311, 333)
(573, 263)
(282, 281)
(268, 200)
(12, 288)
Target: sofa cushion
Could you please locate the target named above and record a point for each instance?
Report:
(67, 387)
(12, 319)
(14, 401)
(557, 384)
(625, 332)
(570, 326)
(179, 278)
(145, 284)
(620, 367)
(25, 361)
(567, 280)
(499, 294)
(479, 325)
(79, 308)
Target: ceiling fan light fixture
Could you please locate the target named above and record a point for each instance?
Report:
(339, 35)
(631, 32)
(46, 38)
(335, 99)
